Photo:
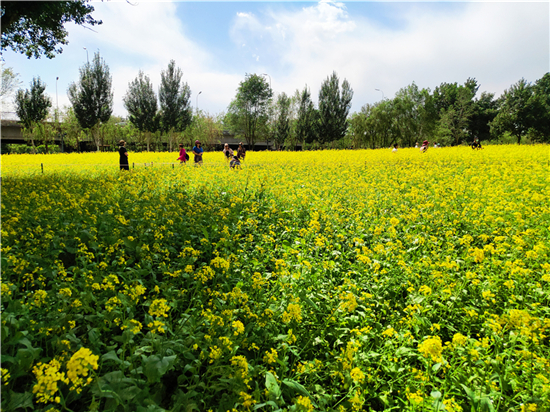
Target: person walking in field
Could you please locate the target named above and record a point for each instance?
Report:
(124, 163)
(184, 157)
(227, 152)
(241, 153)
(394, 150)
(198, 151)
(425, 145)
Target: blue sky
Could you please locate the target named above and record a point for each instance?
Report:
(374, 45)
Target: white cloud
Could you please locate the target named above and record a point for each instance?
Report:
(497, 43)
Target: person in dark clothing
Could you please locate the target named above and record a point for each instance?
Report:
(241, 153)
(476, 144)
(235, 163)
(124, 163)
(198, 151)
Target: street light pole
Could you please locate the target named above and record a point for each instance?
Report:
(56, 101)
(197, 105)
(87, 59)
(378, 90)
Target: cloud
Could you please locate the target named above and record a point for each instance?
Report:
(146, 37)
(497, 43)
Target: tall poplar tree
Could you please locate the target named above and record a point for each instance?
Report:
(334, 107)
(306, 122)
(32, 108)
(175, 100)
(32, 105)
(282, 120)
(92, 96)
(141, 102)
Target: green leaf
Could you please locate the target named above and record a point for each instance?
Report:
(297, 387)
(19, 400)
(486, 404)
(111, 356)
(272, 386)
(155, 367)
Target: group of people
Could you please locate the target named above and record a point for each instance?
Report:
(233, 159)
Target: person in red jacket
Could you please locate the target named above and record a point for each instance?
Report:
(183, 156)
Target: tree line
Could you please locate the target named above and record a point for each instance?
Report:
(450, 115)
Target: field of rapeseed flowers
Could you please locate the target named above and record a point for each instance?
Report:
(327, 281)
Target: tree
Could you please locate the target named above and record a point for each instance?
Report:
(175, 100)
(484, 111)
(334, 107)
(541, 103)
(36, 28)
(516, 113)
(141, 102)
(32, 105)
(92, 97)
(455, 107)
(71, 132)
(248, 112)
(10, 83)
(306, 121)
(32, 108)
(282, 120)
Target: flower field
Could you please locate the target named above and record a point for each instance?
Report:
(326, 281)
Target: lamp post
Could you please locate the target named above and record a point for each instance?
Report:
(197, 105)
(265, 74)
(57, 116)
(378, 90)
(56, 101)
(87, 59)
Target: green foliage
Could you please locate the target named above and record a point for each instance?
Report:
(36, 28)
(92, 96)
(248, 112)
(175, 100)
(32, 105)
(334, 107)
(517, 112)
(398, 282)
(9, 82)
(307, 118)
(483, 112)
(282, 120)
(454, 104)
(141, 102)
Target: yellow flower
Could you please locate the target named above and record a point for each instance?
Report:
(271, 357)
(303, 403)
(357, 375)
(159, 308)
(389, 332)
(238, 326)
(5, 375)
(293, 311)
(78, 367)
(459, 339)
(156, 326)
(47, 376)
(431, 348)
(215, 353)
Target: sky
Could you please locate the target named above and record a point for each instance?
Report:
(380, 45)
